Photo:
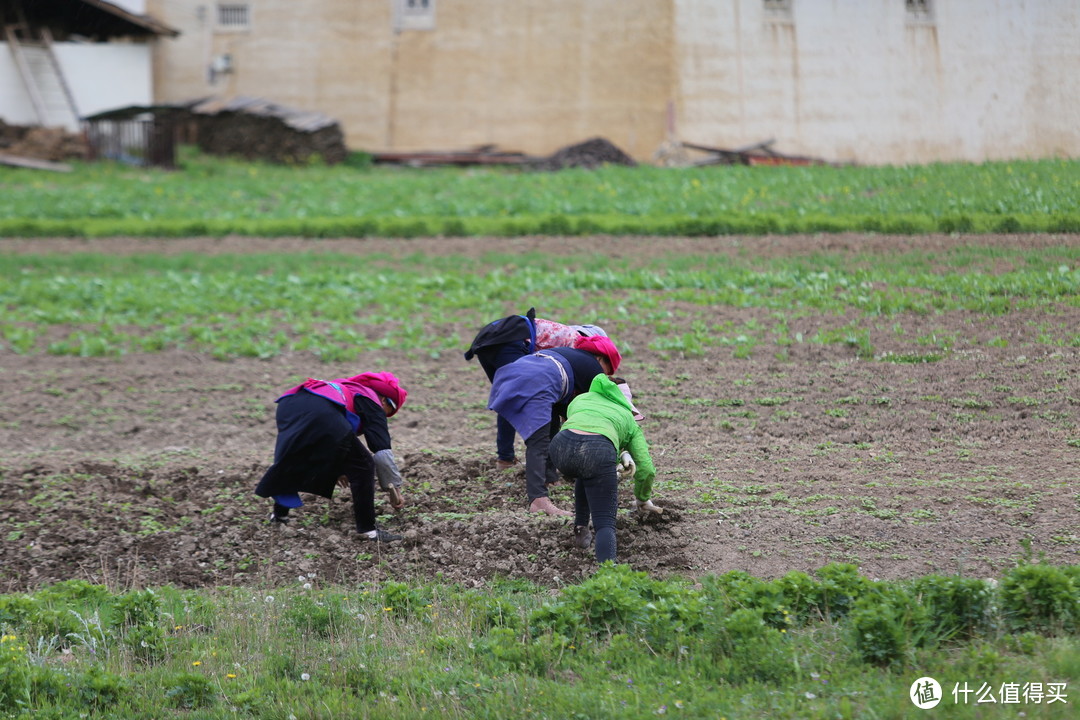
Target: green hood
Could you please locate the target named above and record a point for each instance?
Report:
(603, 385)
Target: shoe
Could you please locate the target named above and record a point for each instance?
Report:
(582, 536)
(505, 464)
(544, 505)
(276, 519)
(397, 500)
(380, 536)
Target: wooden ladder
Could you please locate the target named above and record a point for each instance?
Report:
(37, 78)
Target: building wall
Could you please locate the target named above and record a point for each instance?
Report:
(858, 80)
(527, 75)
(107, 76)
(851, 80)
(15, 105)
(101, 76)
(134, 6)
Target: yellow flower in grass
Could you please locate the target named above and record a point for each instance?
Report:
(197, 663)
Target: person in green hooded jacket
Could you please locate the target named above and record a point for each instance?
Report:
(600, 437)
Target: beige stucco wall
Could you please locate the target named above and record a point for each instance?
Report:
(844, 79)
(855, 80)
(528, 76)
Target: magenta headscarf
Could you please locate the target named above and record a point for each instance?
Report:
(384, 384)
(600, 345)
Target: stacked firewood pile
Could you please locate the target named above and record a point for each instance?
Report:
(257, 129)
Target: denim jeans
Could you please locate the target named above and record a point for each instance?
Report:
(591, 461)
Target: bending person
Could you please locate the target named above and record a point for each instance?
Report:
(533, 392)
(503, 341)
(318, 446)
(599, 435)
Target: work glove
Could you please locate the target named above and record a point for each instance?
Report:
(627, 468)
(647, 506)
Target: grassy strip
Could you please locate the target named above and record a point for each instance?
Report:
(212, 196)
(617, 645)
(523, 225)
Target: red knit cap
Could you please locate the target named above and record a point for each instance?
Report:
(600, 345)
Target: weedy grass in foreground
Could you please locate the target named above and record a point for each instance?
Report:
(619, 644)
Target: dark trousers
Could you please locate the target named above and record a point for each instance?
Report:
(591, 461)
(356, 463)
(359, 467)
(539, 470)
(491, 359)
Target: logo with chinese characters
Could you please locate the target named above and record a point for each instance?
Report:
(925, 693)
(1011, 693)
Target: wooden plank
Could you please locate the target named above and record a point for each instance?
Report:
(777, 159)
(462, 157)
(760, 153)
(33, 163)
(763, 145)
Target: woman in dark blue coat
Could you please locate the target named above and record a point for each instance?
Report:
(532, 394)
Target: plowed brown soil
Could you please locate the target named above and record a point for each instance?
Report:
(139, 470)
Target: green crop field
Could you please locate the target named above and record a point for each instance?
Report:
(217, 197)
(617, 644)
(263, 305)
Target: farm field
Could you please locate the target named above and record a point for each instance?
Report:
(923, 425)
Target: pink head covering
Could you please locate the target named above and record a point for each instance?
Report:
(625, 388)
(384, 384)
(600, 345)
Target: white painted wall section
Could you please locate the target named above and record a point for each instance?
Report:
(16, 108)
(101, 77)
(860, 80)
(106, 76)
(132, 6)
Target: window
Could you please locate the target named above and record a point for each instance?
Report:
(919, 10)
(233, 16)
(414, 15)
(778, 10)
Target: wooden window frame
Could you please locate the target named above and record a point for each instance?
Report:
(222, 12)
(919, 12)
(780, 11)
